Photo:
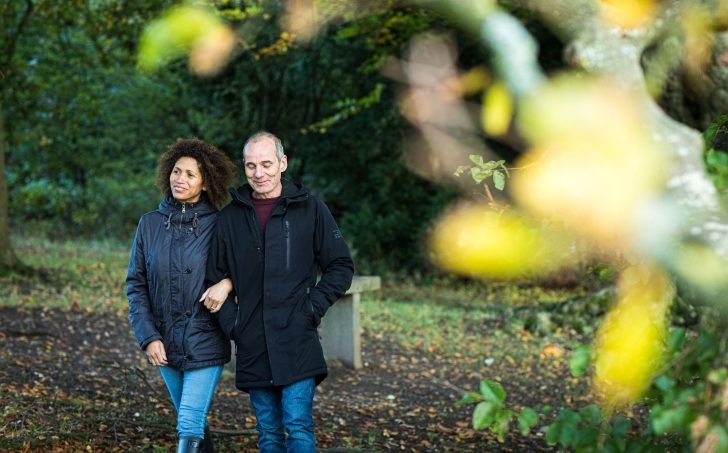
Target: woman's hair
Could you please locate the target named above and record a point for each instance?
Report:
(216, 167)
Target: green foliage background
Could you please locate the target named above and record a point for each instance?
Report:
(84, 127)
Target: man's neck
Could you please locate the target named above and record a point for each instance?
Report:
(272, 194)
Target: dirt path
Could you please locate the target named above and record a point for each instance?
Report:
(74, 380)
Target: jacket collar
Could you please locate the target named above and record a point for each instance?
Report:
(185, 212)
(291, 192)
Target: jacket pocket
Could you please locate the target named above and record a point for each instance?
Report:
(205, 341)
(310, 309)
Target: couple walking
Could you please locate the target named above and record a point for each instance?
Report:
(199, 277)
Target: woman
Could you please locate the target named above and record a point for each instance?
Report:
(166, 279)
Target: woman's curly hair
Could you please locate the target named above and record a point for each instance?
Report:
(217, 170)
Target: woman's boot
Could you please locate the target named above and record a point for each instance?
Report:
(189, 445)
(207, 446)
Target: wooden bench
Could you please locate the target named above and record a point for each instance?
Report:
(340, 329)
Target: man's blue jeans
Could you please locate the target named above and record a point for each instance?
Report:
(282, 411)
(191, 393)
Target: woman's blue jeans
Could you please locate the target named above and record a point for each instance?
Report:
(285, 410)
(191, 392)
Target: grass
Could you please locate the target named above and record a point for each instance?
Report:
(88, 274)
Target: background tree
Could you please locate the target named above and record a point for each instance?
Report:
(14, 16)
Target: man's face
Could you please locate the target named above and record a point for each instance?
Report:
(263, 169)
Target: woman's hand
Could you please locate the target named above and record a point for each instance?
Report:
(217, 294)
(156, 354)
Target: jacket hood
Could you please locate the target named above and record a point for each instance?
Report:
(292, 191)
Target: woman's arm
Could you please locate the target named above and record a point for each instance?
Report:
(217, 294)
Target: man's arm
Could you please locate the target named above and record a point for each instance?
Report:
(218, 269)
(334, 260)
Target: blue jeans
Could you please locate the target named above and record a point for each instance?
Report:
(282, 411)
(191, 393)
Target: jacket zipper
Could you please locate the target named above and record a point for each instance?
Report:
(287, 234)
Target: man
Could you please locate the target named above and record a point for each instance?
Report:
(272, 240)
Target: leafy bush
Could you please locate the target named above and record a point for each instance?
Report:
(686, 408)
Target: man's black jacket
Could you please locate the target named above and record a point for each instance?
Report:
(274, 275)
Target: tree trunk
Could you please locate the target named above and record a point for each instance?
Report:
(8, 259)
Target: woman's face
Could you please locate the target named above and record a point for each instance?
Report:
(186, 180)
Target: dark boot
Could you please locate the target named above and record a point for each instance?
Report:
(189, 445)
(207, 445)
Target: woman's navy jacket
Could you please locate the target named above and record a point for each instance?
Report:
(166, 279)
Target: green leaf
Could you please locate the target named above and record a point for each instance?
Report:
(580, 360)
(499, 180)
(565, 429)
(479, 174)
(501, 421)
(526, 420)
(469, 398)
(667, 420)
(676, 340)
(483, 415)
(664, 383)
(492, 391)
(461, 169)
(591, 414)
(620, 426)
(477, 159)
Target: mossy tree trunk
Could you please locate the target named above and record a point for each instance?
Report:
(8, 259)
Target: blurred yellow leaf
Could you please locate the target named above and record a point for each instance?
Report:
(476, 241)
(474, 80)
(497, 109)
(210, 53)
(183, 29)
(593, 163)
(630, 343)
(628, 13)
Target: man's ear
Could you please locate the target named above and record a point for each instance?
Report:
(284, 163)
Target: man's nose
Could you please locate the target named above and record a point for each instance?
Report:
(258, 172)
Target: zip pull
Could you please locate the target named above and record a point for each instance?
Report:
(183, 207)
